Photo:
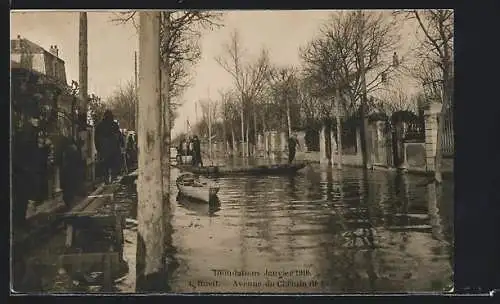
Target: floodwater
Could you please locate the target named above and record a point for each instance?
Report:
(320, 231)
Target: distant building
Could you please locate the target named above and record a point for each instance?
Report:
(31, 56)
(38, 80)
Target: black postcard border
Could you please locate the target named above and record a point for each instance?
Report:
(477, 116)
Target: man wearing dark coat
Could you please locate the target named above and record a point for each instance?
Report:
(70, 166)
(26, 163)
(197, 152)
(131, 150)
(292, 144)
(108, 143)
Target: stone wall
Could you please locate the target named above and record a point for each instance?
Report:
(418, 156)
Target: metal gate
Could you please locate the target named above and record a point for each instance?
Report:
(381, 139)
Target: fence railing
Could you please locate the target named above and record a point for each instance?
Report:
(448, 141)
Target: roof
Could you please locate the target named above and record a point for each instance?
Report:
(31, 46)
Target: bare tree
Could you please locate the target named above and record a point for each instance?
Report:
(96, 108)
(123, 104)
(180, 33)
(209, 112)
(229, 115)
(284, 85)
(436, 53)
(396, 99)
(249, 78)
(352, 57)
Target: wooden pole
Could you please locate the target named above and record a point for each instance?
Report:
(83, 133)
(136, 92)
(209, 128)
(82, 55)
(150, 237)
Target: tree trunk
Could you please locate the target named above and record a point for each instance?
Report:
(224, 135)
(333, 146)
(339, 130)
(150, 236)
(366, 146)
(247, 139)
(438, 177)
(266, 154)
(233, 136)
(289, 122)
(255, 132)
(242, 131)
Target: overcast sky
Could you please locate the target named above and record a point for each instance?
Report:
(111, 46)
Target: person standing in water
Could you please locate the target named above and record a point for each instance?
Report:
(197, 161)
(292, 144)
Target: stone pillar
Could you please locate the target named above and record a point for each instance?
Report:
(260, 144)
(301, 137)
(431, 128)
(333, 148)
(379, 137)
(323, 159)
(266, 143)
(273, 145)
(57, 180)
(358, 142)
(400, 148)
(283, 143)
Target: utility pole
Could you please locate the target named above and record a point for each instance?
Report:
(84, 135)
(136, 87)
(82, 55)
(365, 143)
(151, 233)
(209, 131)
(209, 127)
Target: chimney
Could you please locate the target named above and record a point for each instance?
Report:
(17, 43)
(54, 50)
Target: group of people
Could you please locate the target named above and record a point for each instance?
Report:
(190, 147)
(35, 157)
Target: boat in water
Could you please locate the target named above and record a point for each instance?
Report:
(194, 186)
(276, 169)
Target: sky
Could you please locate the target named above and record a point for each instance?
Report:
(111, 47)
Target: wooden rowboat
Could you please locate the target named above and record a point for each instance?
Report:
(196, 187)
(278, 169)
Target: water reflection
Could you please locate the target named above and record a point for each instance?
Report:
(354, 231)
(199, 208)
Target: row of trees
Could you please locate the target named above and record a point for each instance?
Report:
(350, 68)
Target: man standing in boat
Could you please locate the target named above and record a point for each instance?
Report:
(197, 161)
(292, 144)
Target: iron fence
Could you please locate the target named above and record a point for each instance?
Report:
(447, 140)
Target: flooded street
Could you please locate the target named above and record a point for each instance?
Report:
(322, 230)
